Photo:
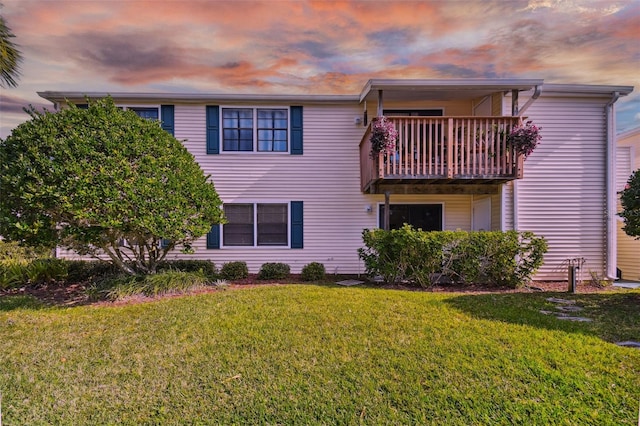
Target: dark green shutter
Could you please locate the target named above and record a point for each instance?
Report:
(213, 131)
(213, 237)
(166, 117)
(296, 130)
(164, 243)
(297, 240)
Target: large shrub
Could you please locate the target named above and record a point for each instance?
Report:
(495, 258)
(103, 182)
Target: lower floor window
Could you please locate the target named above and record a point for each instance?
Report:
(259, 224)
(427, 217)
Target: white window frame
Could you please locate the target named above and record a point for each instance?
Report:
(255, 226)
(255, 109)
(441, 203)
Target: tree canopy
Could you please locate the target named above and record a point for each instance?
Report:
(630, 199)
(103, 181)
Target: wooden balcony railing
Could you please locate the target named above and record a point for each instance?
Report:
(466, 149)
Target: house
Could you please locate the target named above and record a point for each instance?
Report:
(299, 185)
(628, 160)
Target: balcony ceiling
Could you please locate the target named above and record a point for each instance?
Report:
(407, 90)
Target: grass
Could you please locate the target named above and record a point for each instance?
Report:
(315, 354)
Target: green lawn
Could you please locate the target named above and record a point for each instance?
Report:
(307, 354)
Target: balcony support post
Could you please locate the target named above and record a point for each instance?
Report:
(380, 104)
(514, 102)
(450, 148)
(387, 196)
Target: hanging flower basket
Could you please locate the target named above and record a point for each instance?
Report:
(383, 136)
(524, 138)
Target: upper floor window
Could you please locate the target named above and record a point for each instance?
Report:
(148, 113)
(255, 129)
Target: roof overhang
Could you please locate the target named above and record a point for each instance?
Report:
(585, 90)
(394, 90)
(194, 98)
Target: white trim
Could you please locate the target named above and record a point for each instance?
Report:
(611, 236)
(422, 203)
(255, 226)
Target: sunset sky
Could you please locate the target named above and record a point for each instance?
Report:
(315, 47)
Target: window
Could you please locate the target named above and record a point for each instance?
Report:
(427, 217)
(272, 130)
(148, 113)
(261, 224)
(237, 133)
(238, 231)
(242, 126)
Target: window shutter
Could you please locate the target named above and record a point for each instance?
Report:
(296, 225)
(213, 131)
(164, 243)
(213, 237)
(296, 130)
(166, 116)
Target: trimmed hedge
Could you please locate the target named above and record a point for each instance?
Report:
(234, 271)
(274, 271)
(494, 258)
(314, 271)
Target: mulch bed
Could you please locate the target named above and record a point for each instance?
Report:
(75, 294)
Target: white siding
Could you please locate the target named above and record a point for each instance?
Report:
(563, 195)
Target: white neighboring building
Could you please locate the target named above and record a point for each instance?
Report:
(628, 160)
(298, 183)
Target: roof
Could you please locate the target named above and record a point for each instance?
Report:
(393, 89)
(586, 89)
(199, 98)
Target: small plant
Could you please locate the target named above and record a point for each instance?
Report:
(169, 282)
(274, 271)
(524, 138)
(383, 136)
(314, 271)
(234, 271)
(190, 265)
(598, 280)
(221, 284)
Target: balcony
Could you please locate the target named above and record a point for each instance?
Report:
(441, 151)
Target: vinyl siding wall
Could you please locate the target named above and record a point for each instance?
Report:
(563, 193)
(627, 160)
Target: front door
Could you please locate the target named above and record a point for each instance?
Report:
(482, 214)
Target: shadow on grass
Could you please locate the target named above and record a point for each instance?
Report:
(11, 303)
(615, 316)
